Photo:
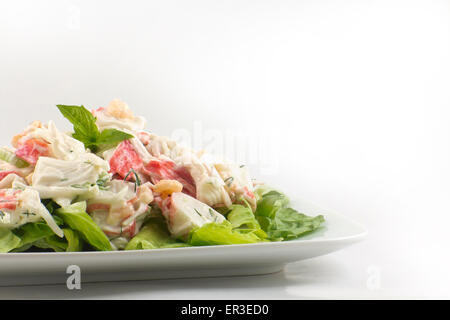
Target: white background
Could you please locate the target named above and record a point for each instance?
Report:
(351, 98)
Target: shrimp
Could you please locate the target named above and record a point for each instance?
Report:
(119, 110)
(166, 187)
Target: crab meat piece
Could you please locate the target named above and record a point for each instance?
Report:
(131, 159)
(10, 180)
(61, 145)
(184, 213)
(4, 174)
(8, 199)
(124, 160)
(17, 139)
(32, 149)
(144, 137)
(238, 183)
(210, 188)
(120, 211)
(158, 170)
(46, 140)
(19, 207)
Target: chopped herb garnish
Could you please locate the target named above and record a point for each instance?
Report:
(198, 212)
(103, 181)
(83, 186)
(2, 214)
(137, 182)
(29, 214)
(213, 215)
(229, 181)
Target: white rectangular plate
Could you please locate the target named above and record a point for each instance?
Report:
(236, 260)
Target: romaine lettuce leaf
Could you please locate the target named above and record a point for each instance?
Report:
(243, 220)
(269, 203)
(280, 222)
(76, 218)
(32, 232)
(288, 224)
(74, 241)
(154, 235)
(40, 235)
(54, 243)
(8, 240)
(220, 234)
(23, 248)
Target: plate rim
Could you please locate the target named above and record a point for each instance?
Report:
(353, 238)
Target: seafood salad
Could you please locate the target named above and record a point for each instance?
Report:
(111, 185)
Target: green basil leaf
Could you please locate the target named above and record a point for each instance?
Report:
(86, 130)
(83, 122)
(112, 137)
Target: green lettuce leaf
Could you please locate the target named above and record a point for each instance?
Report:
(23, 248)
(269, 203)
(74, 241)
(288, 224)
(39, 234)
(154, 235)
(243, 220)
(280, 222)
(54, 243)
(76, 218)
(8, 240)
(32, 232)
(220, 234)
